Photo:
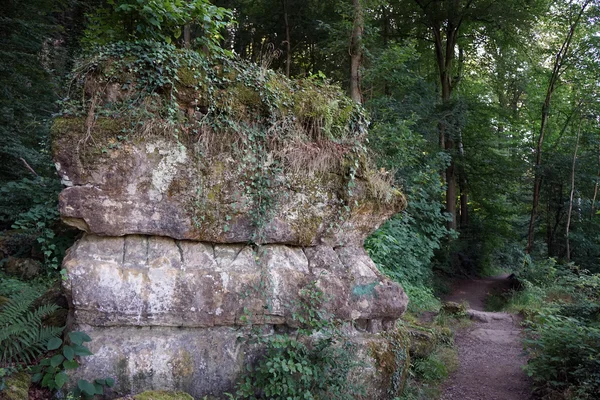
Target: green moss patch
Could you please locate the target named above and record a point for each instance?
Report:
(159, 395)
(17, 387)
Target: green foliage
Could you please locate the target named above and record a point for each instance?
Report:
(156, 20)
(32, 206)
(432, 357)
(27, 84)
(23, 335)
(404, 247)
(562, 306)
(10, 286)
(565, 356)
(51, 372)
(315, 364)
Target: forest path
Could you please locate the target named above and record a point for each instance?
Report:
(489, 351)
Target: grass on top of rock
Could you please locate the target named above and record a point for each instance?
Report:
(209, 103)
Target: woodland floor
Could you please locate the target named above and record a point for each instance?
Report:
(489, 351)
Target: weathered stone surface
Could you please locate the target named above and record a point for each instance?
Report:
(203, 362)
(156, 281)
(159, 187)
(197, 361)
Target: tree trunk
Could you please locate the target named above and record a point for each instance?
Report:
(462, 175)
(572, 192)
(288, 60)
(596, 186)
(444, 58)
(187, 36)
(356, 52)
(556, 70)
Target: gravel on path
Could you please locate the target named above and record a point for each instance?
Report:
(489, 351)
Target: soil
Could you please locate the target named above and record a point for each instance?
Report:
(490, 350)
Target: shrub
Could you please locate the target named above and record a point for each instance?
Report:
(562, 303)
(565, 355)
(316, 363)
(402, 249)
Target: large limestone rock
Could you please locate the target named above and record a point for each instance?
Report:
(157, 281)
(202, 226)
(159, 187)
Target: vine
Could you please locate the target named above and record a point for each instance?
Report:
(220, 107)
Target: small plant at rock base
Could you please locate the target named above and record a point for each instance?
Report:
(51, 372)
(314, 364)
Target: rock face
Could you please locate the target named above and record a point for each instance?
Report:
(189, 245)
(158, 187)
(157, 281)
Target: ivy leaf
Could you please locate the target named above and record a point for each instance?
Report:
(86, 387)
(69, 353)
(99, 388)
(110, 382)
(56, 360)
(82, 351)
(53, 344)
(60, 379)
(79, 338)
(71, 364)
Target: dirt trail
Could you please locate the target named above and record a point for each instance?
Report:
(489, 351)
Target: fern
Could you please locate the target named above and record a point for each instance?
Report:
(23, 336)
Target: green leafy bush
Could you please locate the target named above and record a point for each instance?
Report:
(564, 355)
(316, 363)
(562, 306)
(51, 372)
(160, 20)
(31, 205)
(403, 249)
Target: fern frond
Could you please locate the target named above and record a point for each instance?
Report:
(16, 306)
(23, 337)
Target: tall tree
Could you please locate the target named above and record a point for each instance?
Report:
(447, 23)
(558, 66)
(356, 51)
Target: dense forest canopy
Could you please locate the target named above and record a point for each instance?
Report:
(485, 112)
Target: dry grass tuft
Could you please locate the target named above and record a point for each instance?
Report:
(314, 157)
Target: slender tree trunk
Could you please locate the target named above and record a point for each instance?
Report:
(445, 33)
(444, 58)
(572, 192)
(385, 33)
(187, 36)
(288, 42)
(556, 70)
(356, 52)
(596, 186)
(462, 175)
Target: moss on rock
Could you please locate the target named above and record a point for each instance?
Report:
(159, 395)
(17, 387)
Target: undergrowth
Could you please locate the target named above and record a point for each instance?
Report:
(561, 303)
(433, 356)
(23, 334)
(314, 362)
